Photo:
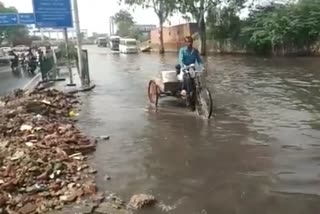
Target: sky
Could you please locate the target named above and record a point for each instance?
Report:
(94, 14)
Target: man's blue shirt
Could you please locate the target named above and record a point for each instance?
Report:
(189, 56)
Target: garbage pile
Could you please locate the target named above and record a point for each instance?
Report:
(42, 153)
(141, 200)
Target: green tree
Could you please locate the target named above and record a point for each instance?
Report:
(18, 35)
(13, 34)
(198, 9)
(123, 16)
(135, 33)
(62, 51)
(265, 27)
(125, 24)
(283, 28)
(223, 24)
(162, 8)
(124, 29)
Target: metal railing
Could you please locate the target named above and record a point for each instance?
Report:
(50, 71)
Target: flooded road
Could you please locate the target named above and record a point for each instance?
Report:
(12, 80)
(259, 154)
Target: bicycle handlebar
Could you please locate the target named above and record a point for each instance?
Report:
(187, 67)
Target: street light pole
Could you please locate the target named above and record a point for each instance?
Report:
(78, 32)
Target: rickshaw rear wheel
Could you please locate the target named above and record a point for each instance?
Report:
(153, 93)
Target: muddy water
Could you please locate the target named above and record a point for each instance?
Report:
(260, 153)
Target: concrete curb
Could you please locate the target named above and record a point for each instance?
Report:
(82, 89)
(33, 83)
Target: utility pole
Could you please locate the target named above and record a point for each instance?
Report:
(111, 25)
(42, 34)
(65, 31)
(78, 32)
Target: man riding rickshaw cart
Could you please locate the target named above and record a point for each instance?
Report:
(184, 82)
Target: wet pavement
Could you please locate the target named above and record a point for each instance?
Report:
(259, 154)
(10, 81)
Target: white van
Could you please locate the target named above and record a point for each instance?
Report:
(128, 45)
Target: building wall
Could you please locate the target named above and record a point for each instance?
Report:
(174, 34)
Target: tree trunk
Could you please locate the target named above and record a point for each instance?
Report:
(203, 37)
(161, 49)
(273, 48)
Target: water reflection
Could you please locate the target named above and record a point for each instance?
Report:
(278, 95)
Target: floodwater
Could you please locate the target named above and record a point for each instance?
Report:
(259, 154)
(12, 80)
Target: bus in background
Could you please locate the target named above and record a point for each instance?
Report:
(114, 43)
(102, 42)
(128, 45)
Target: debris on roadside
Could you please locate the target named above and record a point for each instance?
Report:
(42, 153)
(107, 177)
(141, 200)
(105, 137)
(112, 204)
(108, 208)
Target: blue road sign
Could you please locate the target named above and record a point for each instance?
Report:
(26, 18)
(53, 13)
(8, 19)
